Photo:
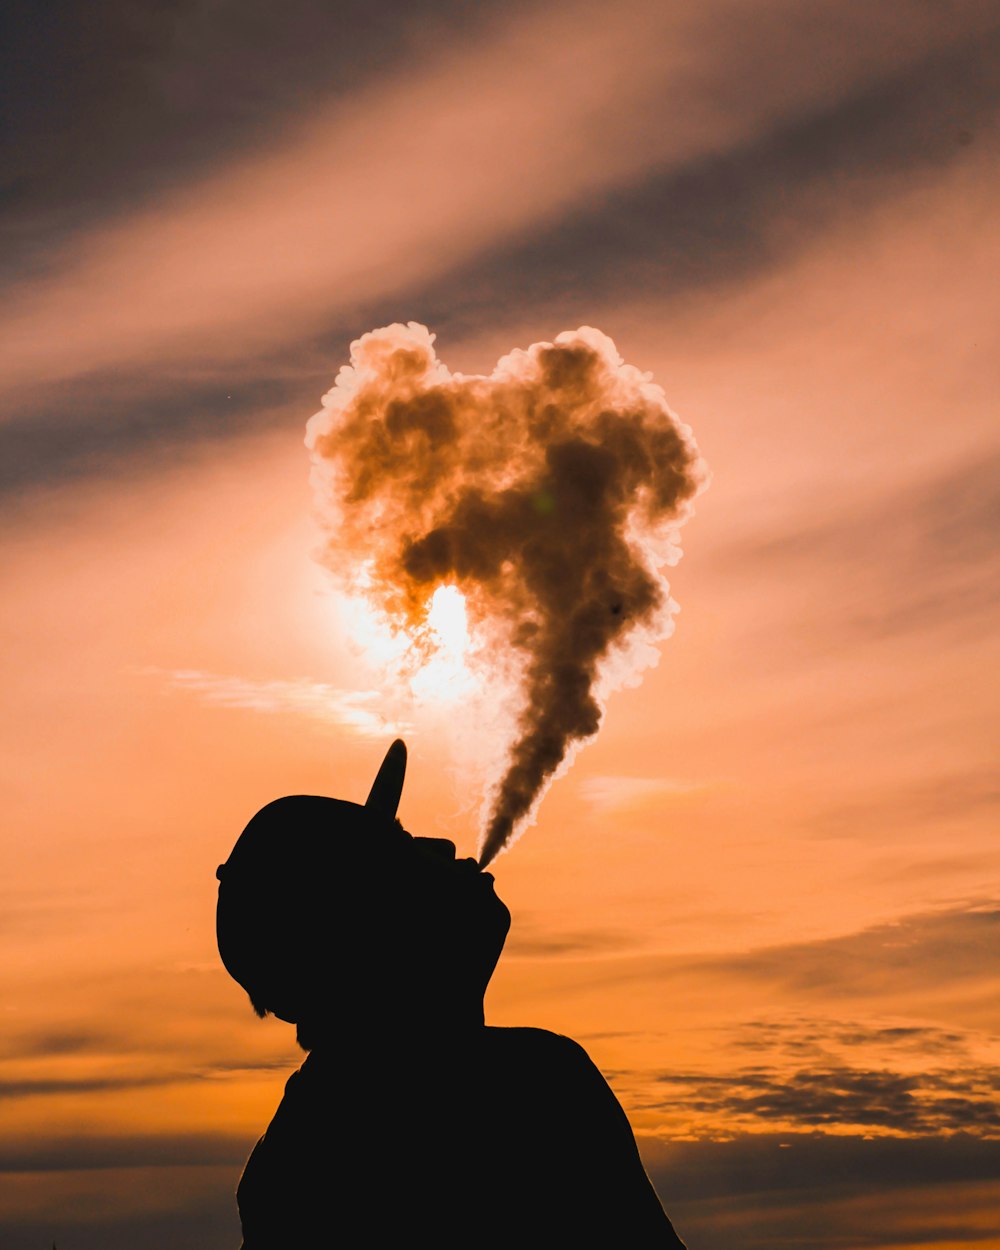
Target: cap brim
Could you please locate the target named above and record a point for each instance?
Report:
(383, 798)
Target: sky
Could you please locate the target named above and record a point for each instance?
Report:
(766, 898)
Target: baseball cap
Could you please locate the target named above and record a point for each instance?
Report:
(294, 866)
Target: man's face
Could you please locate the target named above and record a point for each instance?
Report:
(317, 888)
(459, 907)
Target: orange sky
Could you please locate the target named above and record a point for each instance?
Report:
(766, 898)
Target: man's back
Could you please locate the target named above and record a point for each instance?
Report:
(489, 1137)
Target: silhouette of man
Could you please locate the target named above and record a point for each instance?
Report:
(410, 1117)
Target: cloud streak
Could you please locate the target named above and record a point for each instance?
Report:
(883, 547)
(611, 793)
(964, 1100)
(823, 1192)
(913, 955)
(396, 184)
(355, 710)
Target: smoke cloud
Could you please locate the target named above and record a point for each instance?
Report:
(547, 492)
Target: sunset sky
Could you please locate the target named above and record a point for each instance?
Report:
(766, 898)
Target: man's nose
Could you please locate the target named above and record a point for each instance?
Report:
(440, 847)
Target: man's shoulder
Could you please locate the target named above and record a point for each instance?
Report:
(540, 1040)
(542, 1049)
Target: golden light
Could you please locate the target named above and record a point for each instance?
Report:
(428, 660)
(448, 620)
(445, 676)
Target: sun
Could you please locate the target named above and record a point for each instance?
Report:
(432, 660)
(445, 676)
(448, 621)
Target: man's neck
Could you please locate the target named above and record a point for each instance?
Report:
(415, 1024)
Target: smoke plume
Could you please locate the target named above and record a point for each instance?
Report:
(546, 492)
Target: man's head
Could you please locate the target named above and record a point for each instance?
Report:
(328, 909)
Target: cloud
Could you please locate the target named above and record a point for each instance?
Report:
(533, 939)
(903, 965)
(58, 435)
(823, 1036)
(803, 1192)
(856, 1073)
(723, 217)
(949, 797)
(823, 1192)
(608, 793)
(34, 1087)
(666, 231)
(914, 955)
(148, 98)
(407, 177)
(159, 1206)
(51, 1043)
(921, 558)
(785, 1162)
(888, 1029)
(965, 1100)
(356, 710)
(106, 1083)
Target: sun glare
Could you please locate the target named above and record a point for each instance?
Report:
(445, 676)
(448, 621)
(430, 660)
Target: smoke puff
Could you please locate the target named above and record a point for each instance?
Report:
(540, 491)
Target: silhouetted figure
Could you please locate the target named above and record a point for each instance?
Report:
(410, 1119)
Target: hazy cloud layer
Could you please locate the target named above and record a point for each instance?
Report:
(607, 794)
(925, 802)
(893, 1029)
(964, 1100)
(883, 547)
(707, 221)
(153, 98)
(356, 710)
(426, 185)
(87, 1153)
(51, 1044)
(912, 961)
(813, 1037)
(532, 938)
(721, 219)
(66, 433)
(804, 1192)
(147, 97)
(915, 955)
(39, 1088)
(822, 1192)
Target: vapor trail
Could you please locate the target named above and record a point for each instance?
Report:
(544, 492)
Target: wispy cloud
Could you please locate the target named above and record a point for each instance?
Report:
(820, 1037)
(410, 176)
(820, 1191)
(664, 234)
(28, 1087)
(356, 710)
(920, 558)
(79, 1152)
(935, 800)
(531, 938)
(964, 1100)
(797, 1072)
(908, 956)
(611, 792)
